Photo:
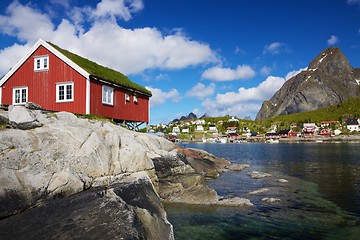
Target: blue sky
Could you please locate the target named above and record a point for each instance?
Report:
(202, 56)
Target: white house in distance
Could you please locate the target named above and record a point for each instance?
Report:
(185, 130)
(176, 130)
(353, 124)
(212, 128)
(199, 122)
(233, 119)
(199, 128)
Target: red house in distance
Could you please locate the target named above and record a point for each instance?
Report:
(59, 80)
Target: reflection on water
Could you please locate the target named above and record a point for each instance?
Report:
(320, 200)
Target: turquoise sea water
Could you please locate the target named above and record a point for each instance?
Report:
(320, 201)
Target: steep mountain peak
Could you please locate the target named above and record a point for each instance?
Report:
(328, 80)
(204, 116)
(192, 116)
(331, 61)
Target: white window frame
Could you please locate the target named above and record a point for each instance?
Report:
(65, 85)
(20, 89)
(107, 95)
(41, 63)
(135, 99)
(127, 97)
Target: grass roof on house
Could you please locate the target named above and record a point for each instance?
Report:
(102, 72)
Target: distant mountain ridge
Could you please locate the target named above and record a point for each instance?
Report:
(190, 117)
(329, 79)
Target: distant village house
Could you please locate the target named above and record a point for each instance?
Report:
(353, 124)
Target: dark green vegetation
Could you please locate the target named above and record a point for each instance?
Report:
(101, 72)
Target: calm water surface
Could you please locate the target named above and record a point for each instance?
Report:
(320, 201)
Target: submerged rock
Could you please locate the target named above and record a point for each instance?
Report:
(283, 180)
(270, 200)
(259, 191)
(237, 167)
(258, 175)
(234, 202)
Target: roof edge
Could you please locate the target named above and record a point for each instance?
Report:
(43, 43)
(97, 78)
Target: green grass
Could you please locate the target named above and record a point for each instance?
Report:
(95, 117)
(102, 72)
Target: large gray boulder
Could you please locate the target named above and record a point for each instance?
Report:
(22, 118)
(126, 210)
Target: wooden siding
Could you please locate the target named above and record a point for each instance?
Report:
(121, 109)
(42, 84)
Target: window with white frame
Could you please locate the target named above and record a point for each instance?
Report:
(107, 95)
(41, 63)
(65, 92)
(20, 95)
(135, 99)
(127, 97)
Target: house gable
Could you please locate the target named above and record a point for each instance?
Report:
(50, 48)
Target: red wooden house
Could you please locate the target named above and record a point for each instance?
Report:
(59, 80)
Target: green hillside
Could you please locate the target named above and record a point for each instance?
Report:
(349, 108)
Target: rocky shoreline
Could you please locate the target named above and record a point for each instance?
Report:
(66, 177)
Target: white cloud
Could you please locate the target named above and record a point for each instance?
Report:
(227, 74)
(116, 9)
(265, 71)
(130, 51)
(294, 73)
(333, 40)
(201, 91)
(244, 102)
(196, 112)
(9, 56)
(160, 97)
(274, 48)
(239, 50)
(108, 10)
(161, 76)
(353, 1)
(25, 23)
(64, 3)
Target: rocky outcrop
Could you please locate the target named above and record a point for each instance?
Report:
(65, 155)
(329, 79)
(68, 155)
(47, 156)
(182, 177)
(126, 210)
